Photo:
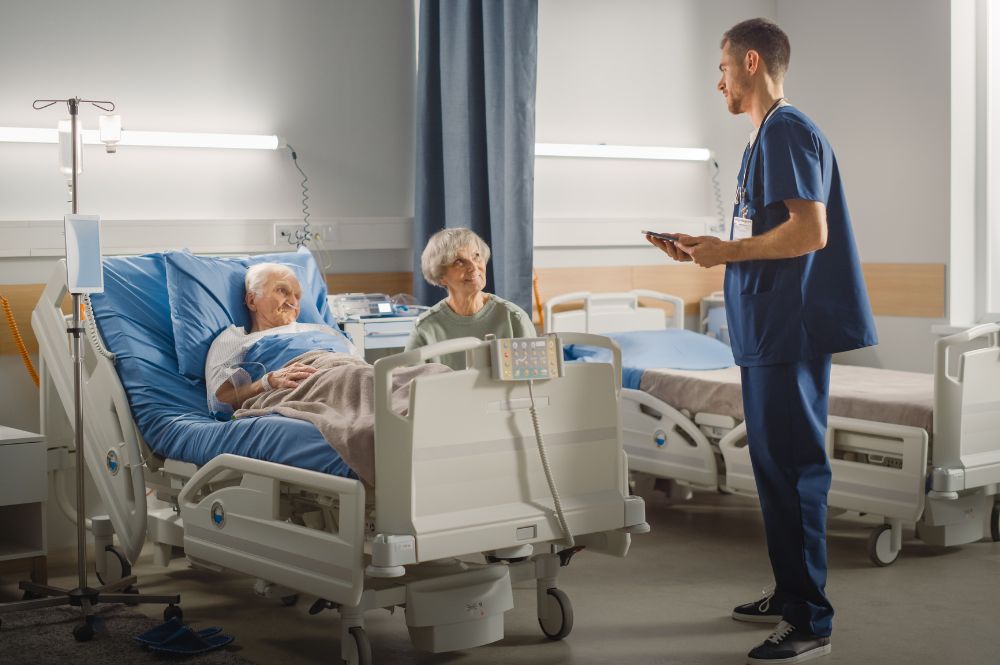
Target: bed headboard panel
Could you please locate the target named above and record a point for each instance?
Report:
(604, 313)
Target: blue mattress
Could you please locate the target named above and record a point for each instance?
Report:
(134, 318)
(657, 349)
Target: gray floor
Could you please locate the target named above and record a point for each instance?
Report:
(668, 602)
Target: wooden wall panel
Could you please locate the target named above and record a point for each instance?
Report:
(895, 289)
(389, 283)
(687, 281)
(906, 289)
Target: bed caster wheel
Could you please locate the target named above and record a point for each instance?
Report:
(290, 600)
(361, 648)
(173, 612)
(84, 632)
(880, 546)
(124, 566)
(995, 523)
(556, 619)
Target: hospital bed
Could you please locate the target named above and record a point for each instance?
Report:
(459, 474)
(913, 448)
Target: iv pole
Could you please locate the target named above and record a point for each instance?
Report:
(83, 596)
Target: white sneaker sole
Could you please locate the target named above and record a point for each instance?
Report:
(761, 618)
(801, 658)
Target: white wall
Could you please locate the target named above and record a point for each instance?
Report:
(876, 77)
(336, 78)
(641, 72)
(333, 77)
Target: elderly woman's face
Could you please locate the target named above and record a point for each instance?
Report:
(467, 273)
(278, 303)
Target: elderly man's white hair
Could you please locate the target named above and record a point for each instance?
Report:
(443, 247)
(258, 274)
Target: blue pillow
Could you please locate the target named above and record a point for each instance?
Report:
(657, 349)
(207, 296)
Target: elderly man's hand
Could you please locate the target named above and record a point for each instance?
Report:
(290, 376)
(706, 251)
(669, 248)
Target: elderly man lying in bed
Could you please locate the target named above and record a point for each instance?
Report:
(307, 371)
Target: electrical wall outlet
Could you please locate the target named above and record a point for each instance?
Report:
(285, 234)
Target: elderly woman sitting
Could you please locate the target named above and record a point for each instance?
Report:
(456, 259)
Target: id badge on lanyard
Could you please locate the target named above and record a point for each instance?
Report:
(742, 224)
(742, 228)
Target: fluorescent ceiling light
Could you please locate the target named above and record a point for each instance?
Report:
(158, 139)
(621, 151)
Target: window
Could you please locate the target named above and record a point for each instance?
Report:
(974, 261)
(988, 233)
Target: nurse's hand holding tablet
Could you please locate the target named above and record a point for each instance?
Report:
(706, 251)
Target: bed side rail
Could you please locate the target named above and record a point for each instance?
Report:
(240, 527)
(461, 473)
(613, 312)
(113, 446)
(967, 410)
(384, 367)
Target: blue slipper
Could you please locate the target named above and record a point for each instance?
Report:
(164, 631)
(185, 641)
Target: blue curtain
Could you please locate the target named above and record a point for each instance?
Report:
(476, 135)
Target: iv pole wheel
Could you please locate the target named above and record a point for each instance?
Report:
(173, 612)
(84, 632)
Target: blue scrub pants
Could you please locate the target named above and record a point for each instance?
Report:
(786, 409)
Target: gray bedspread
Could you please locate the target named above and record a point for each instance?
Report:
(339, 399)
(882, 395)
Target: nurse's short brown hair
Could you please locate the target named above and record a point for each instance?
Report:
(763, 36)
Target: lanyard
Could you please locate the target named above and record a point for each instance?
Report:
(742, 190)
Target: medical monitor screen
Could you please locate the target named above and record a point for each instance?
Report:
(84, 273)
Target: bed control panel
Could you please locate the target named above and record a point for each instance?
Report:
(527, 358)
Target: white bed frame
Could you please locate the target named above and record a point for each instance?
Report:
(878, 468)
(459, 475)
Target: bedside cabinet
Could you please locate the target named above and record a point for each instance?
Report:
(379, 336)
(24, 489)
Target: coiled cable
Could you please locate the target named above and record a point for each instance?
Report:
(304, 235)
(18, 341)
(717, 190)
(548, 471)
(90, 325)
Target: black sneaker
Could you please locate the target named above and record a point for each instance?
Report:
(764, 610)
(788, 644)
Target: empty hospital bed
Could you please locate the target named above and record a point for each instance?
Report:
(268, 497)
(909, 447)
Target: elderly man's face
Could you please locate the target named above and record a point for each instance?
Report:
(278, 303)
(467, 273)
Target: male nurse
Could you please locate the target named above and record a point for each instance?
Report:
(794, 296)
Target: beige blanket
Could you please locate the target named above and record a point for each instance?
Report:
(339, 399)
(888, 396)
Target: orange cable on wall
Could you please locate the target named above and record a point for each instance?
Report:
(22, 349)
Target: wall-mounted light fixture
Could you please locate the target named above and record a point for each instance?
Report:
(156, 139)
(621, 151)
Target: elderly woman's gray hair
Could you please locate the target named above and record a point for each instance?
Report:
(442, 249)
(258, 274)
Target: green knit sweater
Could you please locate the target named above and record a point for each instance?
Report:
(498, 317)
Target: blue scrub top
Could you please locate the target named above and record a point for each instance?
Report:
(788, 310)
